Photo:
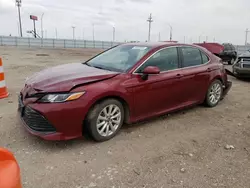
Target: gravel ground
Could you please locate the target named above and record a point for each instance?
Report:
(184, 149)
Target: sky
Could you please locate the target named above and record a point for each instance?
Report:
(191, 20)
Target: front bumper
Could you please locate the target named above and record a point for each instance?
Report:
(241, 72)
(52, 121)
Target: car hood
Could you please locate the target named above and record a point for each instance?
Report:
(245, 55)
(64, 77)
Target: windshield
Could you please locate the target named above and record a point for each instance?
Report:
(120, 58)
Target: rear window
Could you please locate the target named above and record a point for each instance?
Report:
(227, 47)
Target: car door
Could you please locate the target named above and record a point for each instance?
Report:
(196, 74)
(159, 93)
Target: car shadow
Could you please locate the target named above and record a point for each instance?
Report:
(128, 128)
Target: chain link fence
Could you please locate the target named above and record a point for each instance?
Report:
(67, 43)
(54, 43)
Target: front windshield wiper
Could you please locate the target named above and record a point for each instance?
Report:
(99, 67)
(103, 68)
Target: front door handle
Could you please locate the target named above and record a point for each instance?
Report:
(209, 69)
(179, 75)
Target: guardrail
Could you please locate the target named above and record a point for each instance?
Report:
(54, 43)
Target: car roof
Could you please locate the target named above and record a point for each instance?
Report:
(156, 44)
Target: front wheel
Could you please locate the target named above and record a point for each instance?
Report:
(214, 93)
(105, 120)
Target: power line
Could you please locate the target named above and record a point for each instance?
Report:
(18, 4)
(149, 20)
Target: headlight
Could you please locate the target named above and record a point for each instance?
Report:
(57, 98)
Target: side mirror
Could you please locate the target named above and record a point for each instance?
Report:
(151, 70)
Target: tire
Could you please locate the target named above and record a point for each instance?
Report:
(108, 125)
(209, 102)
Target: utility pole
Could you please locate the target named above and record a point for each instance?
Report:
(206, 38)
(184, 39)
(113, 33)
(171, 32)
(73, 27)
(159, 37)
(42, 24)
(214, 39)
(191, 40)
(18, 4)
(83, 34)
(93, 31)
(56, 32)
(247, 31)
(149, 20)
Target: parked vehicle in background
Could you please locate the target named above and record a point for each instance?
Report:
(241, 67)
(229, 53)
(225, 51)
(125, 84)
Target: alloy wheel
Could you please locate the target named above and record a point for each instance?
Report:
(215, 93)
(108, 120)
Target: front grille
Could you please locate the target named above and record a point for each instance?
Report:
(246, 65)
(35, 120)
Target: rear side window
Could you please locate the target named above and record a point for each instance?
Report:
(205, 59)
(191, 56)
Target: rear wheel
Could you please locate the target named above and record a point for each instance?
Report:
(214, 93)
(105, 120)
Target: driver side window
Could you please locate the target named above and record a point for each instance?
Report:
(165, 60)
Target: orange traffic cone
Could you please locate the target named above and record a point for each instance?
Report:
(3, 89)
(9, 170)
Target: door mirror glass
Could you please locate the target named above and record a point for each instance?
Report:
(151, 70)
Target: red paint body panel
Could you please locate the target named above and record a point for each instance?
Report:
(215, 48)
(159, 94)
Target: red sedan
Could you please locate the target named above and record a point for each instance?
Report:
(124, 84)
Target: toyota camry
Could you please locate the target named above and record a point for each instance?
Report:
(125, 84)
